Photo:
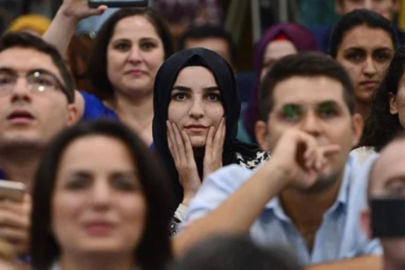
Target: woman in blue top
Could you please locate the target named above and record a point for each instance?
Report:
(128, 51)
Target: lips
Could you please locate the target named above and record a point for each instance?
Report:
(136, 72)
(20, 116)
(99, 227)
(370, 84)
(196, 128)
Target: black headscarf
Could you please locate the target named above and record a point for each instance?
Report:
(225, 78)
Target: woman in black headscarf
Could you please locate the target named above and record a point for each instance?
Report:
(196, 112)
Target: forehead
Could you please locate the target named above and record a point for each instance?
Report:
(135, 27)
(279, 48)
(308, 91)
(211, 43)
(390, 164)
(25, 59)
(187, 77)
(367, 38)
(361, 3)
(92, 149)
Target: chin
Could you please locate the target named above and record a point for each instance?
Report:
(197, 142)
(104, 246)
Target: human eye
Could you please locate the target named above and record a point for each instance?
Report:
(78, 182)
(147, 46)
(43, 80)
(396, 188)
(124, 183)
(6, 79)
(214, 97)
(327, 110)
(291, 113)
(382, 57)
(122, 46)
(179, 96)
(354, 56)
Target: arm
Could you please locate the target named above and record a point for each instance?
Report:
(64, 24)
(368, 262)
(237, 214)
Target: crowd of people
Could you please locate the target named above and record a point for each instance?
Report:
(158, 163)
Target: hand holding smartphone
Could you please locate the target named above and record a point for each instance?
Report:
(118, 3)
(10, 190)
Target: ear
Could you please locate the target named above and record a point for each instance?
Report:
(393, 103)
(73, 115)
(261, 134)
(397, 6)
(358, 125)
(365, 220)
(339, 9)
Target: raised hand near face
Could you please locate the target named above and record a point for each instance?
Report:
(214, 148)
(183, 155)
(79, 9)
(301, 158)
(15, 223)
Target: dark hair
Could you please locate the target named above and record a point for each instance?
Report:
(356, 18)
(97, 67)
(155, 249)
(303, 64)
(29, 41)
(209, 31)
(234, 252)
(382, 126)
(77, 57)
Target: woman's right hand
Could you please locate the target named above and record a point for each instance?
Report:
(79, 9)
(183, 155)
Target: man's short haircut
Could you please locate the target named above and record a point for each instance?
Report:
(25, 40)
(235, 252)
(356, 18)
(209, 31)
(304, 64)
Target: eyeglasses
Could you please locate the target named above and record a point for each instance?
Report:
(38, 81)
(295, 113)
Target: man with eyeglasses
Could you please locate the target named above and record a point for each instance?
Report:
(36, 102)
(307, 196)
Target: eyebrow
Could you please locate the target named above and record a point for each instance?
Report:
(41, 70)
(188, 89)
(328, 102)
(390, 181)
(360, 49)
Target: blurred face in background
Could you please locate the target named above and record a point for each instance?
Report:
(365, 53)
(98, 205)
(134, 55)
(386, 8)
(276, 50)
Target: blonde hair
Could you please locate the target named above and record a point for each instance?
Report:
(33, 22)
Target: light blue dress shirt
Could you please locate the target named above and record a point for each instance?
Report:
(339, 237)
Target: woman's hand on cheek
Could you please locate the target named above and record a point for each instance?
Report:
(183, 156)
(214, 148)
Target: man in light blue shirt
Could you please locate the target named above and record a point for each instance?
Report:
(307, 196)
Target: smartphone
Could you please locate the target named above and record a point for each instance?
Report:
(118, 3)
(10, 190)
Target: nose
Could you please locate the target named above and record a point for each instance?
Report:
(197, 110)
(100, 195)
(135, 55)
(311, 124)
(369, 67)
(21, 91)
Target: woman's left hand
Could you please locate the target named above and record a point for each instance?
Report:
(214, 148)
